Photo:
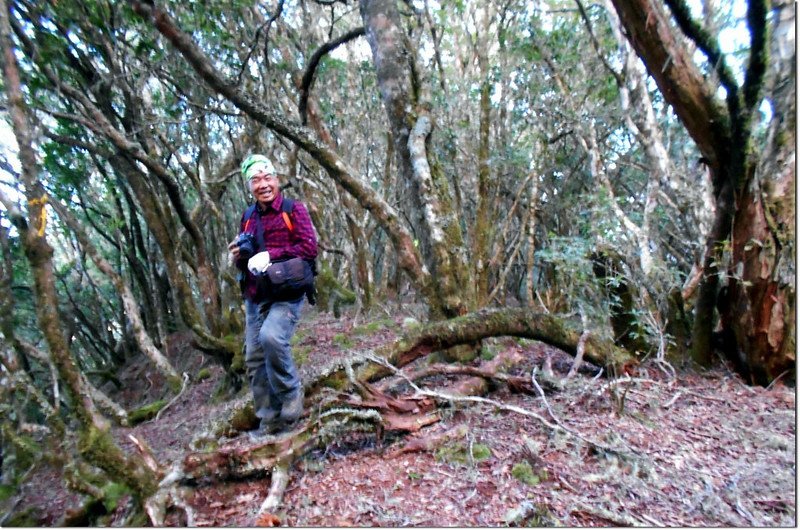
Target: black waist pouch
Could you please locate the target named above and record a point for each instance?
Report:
(289, 279)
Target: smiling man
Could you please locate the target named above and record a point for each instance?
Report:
(273, 230)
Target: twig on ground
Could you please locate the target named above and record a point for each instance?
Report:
(651, 520)
(626, 379)
(566, 484)
(672, 401)
(692, 431)
(769, 386)
(146, 452)
(620, 519)
(701, 396)
(173, 400)
(667, 368)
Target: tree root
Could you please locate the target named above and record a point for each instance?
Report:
(430, 443)
(345, 399)
(278, 482)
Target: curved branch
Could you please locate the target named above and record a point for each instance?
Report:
(308, 75)
(678, 78)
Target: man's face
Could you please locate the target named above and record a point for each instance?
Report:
(264, 187)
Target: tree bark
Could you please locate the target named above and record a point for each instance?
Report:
(760, 306)
(723, 135)
(437, 229)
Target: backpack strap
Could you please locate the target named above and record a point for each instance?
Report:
(248, 218)
(286, 208)
(250, 221)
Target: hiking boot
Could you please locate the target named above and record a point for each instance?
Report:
(267, 427)
(269, 423)
(292, 409)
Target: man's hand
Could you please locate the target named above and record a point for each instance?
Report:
(233, 248)
(259, 263)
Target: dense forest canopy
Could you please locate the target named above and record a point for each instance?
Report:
(625, 167)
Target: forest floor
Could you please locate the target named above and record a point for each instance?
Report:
(697, 449)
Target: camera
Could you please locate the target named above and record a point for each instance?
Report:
(247, 245)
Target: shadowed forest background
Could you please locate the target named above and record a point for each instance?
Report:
(614, 180)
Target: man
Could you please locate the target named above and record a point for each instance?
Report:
(270, 321)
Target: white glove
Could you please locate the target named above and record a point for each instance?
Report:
(258, 263)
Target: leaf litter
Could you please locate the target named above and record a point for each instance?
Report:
(699, 450)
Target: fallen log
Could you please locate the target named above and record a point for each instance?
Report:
(515, 322)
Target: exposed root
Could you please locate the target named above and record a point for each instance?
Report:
(502, 406)
(157, 505)
(429, 443)
(173, 400)
(278, 483)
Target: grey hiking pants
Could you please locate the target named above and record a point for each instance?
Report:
(268, 356)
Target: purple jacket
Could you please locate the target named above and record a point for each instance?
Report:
(278, 240)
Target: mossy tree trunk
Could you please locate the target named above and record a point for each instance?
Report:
(757, 300)
(482, 324)
(432, 214)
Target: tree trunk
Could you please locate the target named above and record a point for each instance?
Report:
(483, 233)
(438, 230)
(132, 312)
(757, 300)
(759, 307)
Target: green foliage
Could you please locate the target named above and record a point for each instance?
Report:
(523, 472)
(65, 164)
(372, 327)
(203, 374)
(7, 491)
(343, 341)
(112, 493)
(300, 354)
(23, 519)
(570, 260)
(488, 352)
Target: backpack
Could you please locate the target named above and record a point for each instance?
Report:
(289, 279)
